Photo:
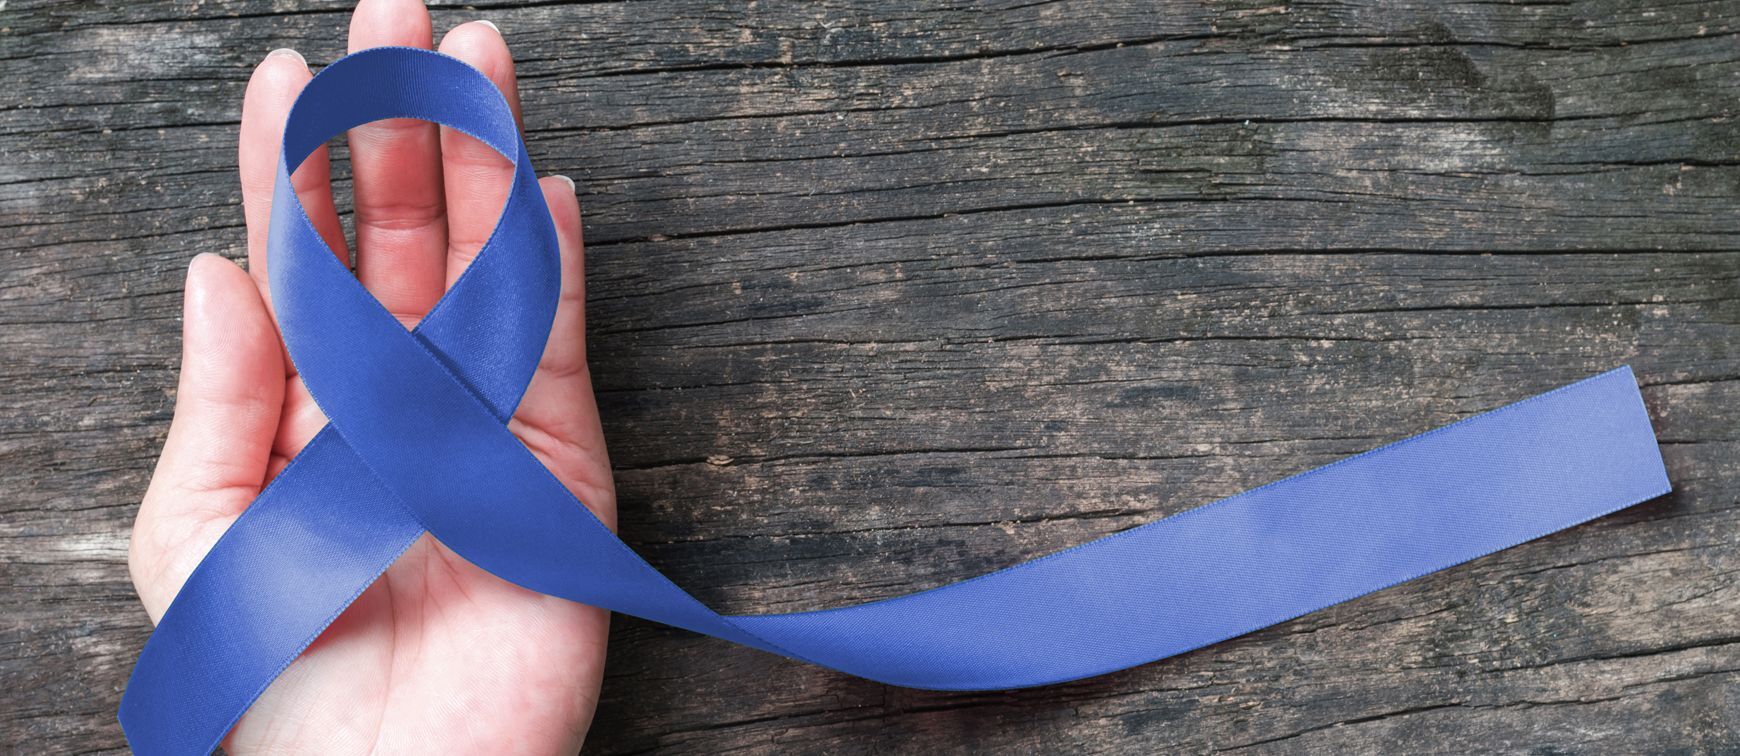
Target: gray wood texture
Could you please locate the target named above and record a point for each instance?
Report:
(887, 294)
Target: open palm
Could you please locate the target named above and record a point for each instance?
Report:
(437, 655)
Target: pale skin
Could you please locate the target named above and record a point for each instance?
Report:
(438, 655)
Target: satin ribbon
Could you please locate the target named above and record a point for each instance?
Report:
(417, 442)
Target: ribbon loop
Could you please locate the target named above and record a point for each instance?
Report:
(417, 442)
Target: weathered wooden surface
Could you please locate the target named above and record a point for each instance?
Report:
(887, 295)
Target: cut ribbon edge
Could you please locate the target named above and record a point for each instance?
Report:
(418, 441)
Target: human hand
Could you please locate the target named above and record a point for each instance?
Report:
(438, 655)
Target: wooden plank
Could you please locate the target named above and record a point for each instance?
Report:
(885, 294)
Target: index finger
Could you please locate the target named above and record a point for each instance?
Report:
(271, 91)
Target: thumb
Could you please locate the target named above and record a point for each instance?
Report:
(220, 442)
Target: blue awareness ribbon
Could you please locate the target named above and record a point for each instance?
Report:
(417, 442)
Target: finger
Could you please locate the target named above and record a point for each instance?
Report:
(271, 91)
(226, 411)
(566, 353)
(558, 418)
(298, 423)
(401, 221)
(477, 178)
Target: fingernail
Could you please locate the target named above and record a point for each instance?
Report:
(285, 52)
(565, 180)
(192, 286)
(488, 23)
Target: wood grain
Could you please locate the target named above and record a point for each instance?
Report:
(885, 294)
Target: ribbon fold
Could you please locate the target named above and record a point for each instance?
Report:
(417, 441)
